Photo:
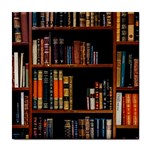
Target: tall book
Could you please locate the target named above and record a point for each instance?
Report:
(24, 26)
(22, 108)
(130, 26)
(118, 108)
(118, 68)
(40, 89)
(16, 76)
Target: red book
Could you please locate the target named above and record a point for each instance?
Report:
(123, 111)
(24, 26)
(135, 109)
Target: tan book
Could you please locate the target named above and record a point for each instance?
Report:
(118, 27)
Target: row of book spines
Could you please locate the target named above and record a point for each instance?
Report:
(127, 70)
(20, 135)
(80, 52)
(42, 128)
(127, 109)
(22, 109)
(88, 128)
(20, 26)
(67, 19)
(20, 71)
(52, 90)
(127, 26)
(100, 97)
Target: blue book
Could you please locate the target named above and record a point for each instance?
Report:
(97, 128)
(103, 128)
(34, 19)
(123, 68)
(68, 53)
(75, 129)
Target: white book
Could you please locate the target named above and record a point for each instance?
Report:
(34, 52)
(118, 108)
(22, 108)
(21, 69)
(16, 79)
(108, 128)
(92, 99)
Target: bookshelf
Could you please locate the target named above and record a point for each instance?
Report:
(79, 115)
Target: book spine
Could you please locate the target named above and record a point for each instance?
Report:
(87, 127)
(45, 88)
(60, 72)
(103, 128)
(35, 126)
(75, 129)
(136, 26)
(96, 95)
(123, 69)
(34, 52)
(55, 72)
(51, 97)
(92, 19)
(82, 19)
(100, 96)
(92, 98)
(47, 19)
(130, 26)
(24, 26)
(118, 27)
(135, 109)
(91, 55)
(118, 108)
(55, 49)
(42, 19)
(26, 110)
(39, 127)
(108, 128)
(66, 92)
(61, 24)
(123, 111)
(74, 19)
(44, 128)
(76, 47)
(88, 23)
(21, 70)
(72, 129)
(119, 53)
(95, 19)
(124, 26)
(104, 90)
(111, 98)
(38, 52)
(88, 46)
(35, 86)
(71, 92)
(51, 19)
(50, 48)
(88, 98)
(40, 89)
(46, 50)
(27, 75)
(67, 129)
(42, 51)
(130, 71)
(22, 108)
(23, 76)
(136, 72)
(61, 50)
(97, 128)
(16, 78)
(34, 19)
(108, 19)
(91, 128)
(13, 72)
(128, 100)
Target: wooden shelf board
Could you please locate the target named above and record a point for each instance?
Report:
(72, 111)
(127, 43)
(20, 89)
(127, 89)
(20, 126)
(20, 43)
(72, 28)
(74, 66)
(126, 127)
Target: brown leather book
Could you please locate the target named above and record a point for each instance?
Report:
(24, 26)
(76, 45)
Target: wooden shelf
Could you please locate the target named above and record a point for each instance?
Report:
(72, 28)
(127, 89)
(127, 43)
(74, 66)
(71, 111)
(20, 89)
(20, 126)
(126, 127)
(20, 43)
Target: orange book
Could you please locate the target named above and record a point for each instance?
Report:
(123, 111)
(128, 116)
(55, 72)
(35, 85)
(135, 109)
(40, 89)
